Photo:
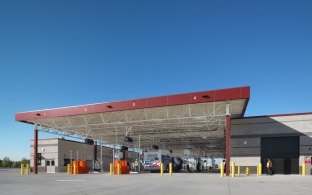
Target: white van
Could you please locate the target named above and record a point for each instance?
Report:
(153, 159)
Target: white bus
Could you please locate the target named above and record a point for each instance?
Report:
(153, 159)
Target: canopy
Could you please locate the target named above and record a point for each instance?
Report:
(193, 121)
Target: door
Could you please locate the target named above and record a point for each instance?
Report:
(283, 152)
(50, 166)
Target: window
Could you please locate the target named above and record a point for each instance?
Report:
(66, 161)
(151, 156)
(48, 163)
(52, 162)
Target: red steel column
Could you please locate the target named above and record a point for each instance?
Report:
(227, 144)
(36, 151)
(95, 151)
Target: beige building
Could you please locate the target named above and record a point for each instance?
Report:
(54, 154)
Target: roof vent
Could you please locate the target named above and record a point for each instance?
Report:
(205, 96)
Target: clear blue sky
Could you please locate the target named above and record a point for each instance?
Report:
(62, 53)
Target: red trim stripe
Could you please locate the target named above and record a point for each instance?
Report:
(171, 100)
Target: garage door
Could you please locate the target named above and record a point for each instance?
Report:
(284, 153)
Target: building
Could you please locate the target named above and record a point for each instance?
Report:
(55, 154)
(205, 123)
(285, 139)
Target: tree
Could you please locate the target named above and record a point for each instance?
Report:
(25, 161)
(0, 163)
(6, 162)
(16, 164)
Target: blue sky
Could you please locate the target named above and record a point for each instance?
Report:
(63, 53)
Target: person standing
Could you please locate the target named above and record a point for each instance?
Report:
(269, 166)
(188, 168)
(136, 165)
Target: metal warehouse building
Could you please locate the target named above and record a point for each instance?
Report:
(206, 123)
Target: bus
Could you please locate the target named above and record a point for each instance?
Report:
(153, 159)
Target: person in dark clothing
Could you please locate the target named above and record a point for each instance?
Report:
(224, 166)
(198, 166)
(188, 168)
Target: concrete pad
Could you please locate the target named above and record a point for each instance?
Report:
(179, 183)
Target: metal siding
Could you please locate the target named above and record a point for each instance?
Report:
(227, 95)
(178, 99)
(136, 104)
(188, 98)
(156, 102)
(198, 97)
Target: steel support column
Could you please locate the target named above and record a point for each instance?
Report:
(95, 151)
(227, 144)
(36, 151)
